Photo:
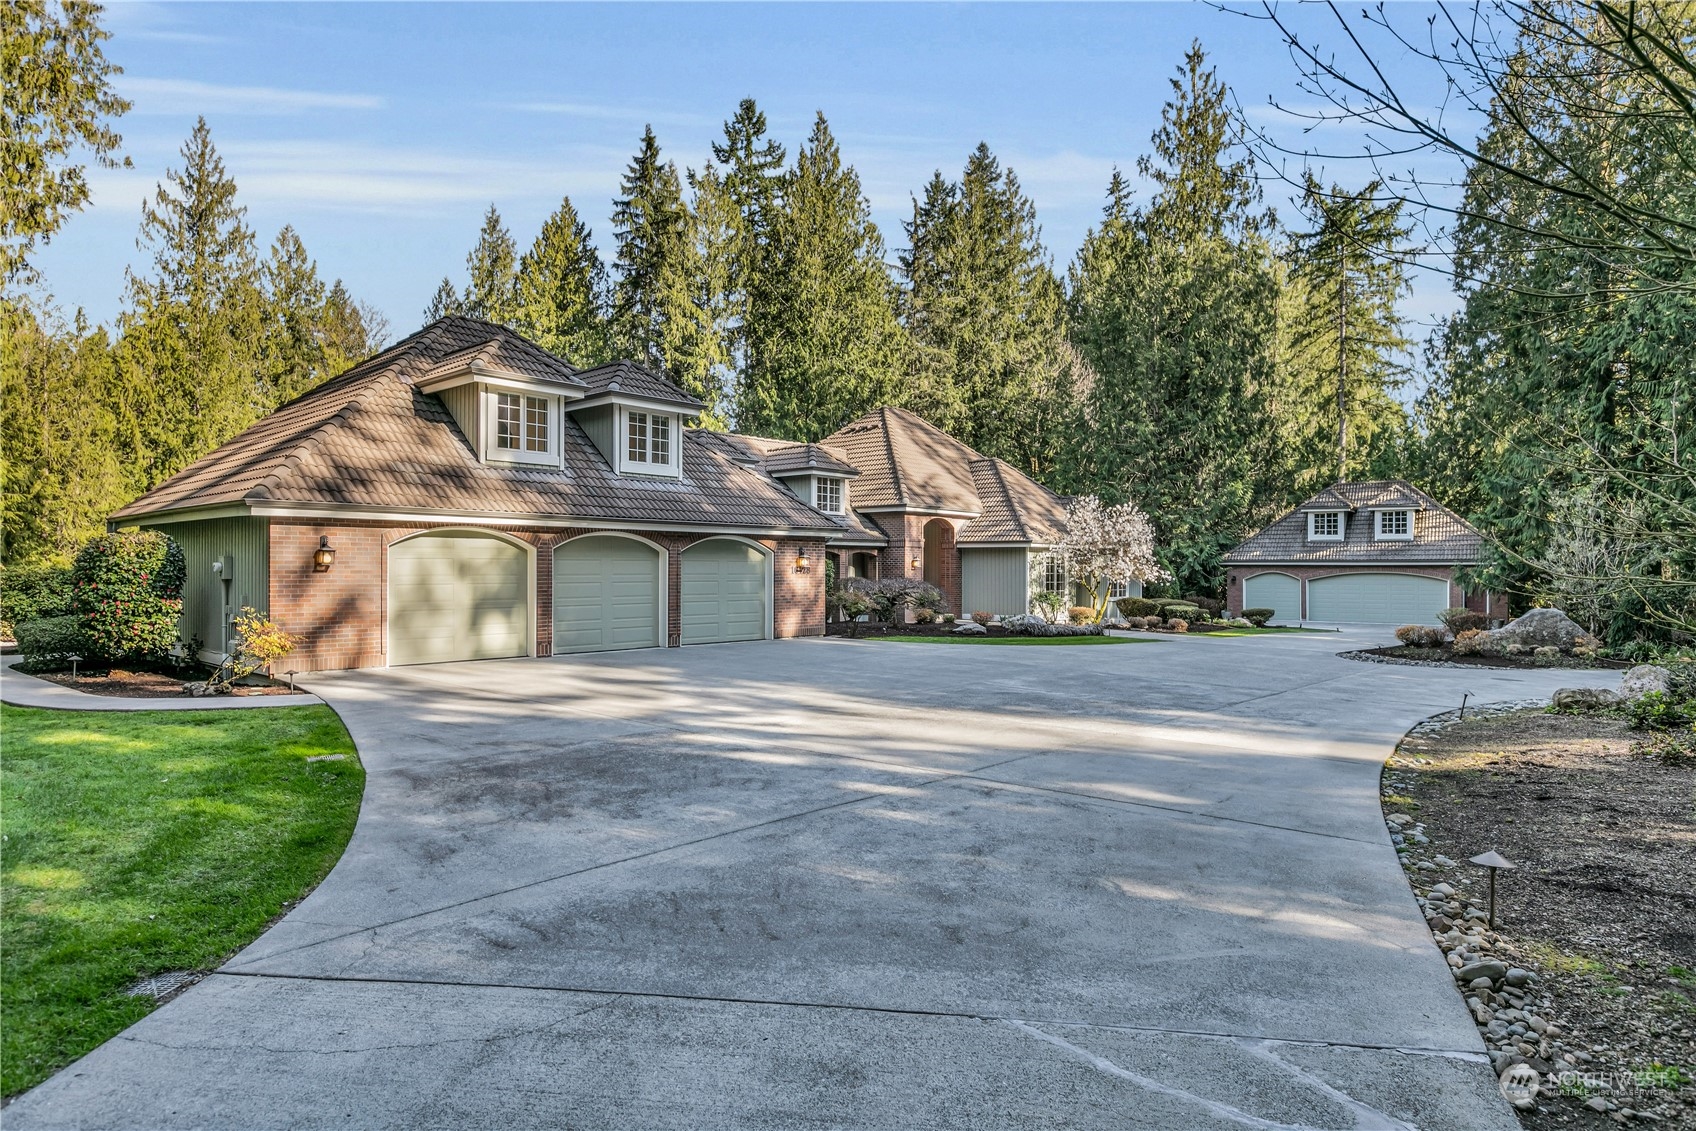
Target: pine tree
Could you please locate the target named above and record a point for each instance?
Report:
(651, 225)
(751, 184)
(444, 303)
(824, 344)
(491, 268)
(987, 314)
(560, 292)
(350, 331)
(192, 377)
(292, 346)
(701, 344)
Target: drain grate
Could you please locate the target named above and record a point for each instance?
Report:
(161, 986)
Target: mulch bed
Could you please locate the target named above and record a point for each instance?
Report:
(145, 685)
(1603, 904)
(1446, 655)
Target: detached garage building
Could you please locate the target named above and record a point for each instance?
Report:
(467, 495)
(1382, 552)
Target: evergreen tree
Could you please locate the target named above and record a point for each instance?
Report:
(444, 302)
(702, 344)
(987, 314)
(824, 344)
(292, 347)
(751, 184)
(491, 268)
(1346, 346)
(651, 225)
(350, 331)
(188, 353)
(560, 291)
(1175, 312)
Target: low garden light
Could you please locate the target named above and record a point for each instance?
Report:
(1494, 861)
(802, 563)
(74, 661)
(324, 556)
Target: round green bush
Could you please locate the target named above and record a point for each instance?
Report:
(51, 638)
(1259, 617)
(1137, 607)
(127, 590)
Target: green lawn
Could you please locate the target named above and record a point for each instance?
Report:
(1021, 640)
(136, 843)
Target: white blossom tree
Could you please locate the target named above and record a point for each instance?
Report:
(1102, 545)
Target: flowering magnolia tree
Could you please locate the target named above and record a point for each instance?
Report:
(1107, 544)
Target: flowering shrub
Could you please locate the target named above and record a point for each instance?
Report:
(127, 590)
(260, 642)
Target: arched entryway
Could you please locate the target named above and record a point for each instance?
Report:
(939, 557)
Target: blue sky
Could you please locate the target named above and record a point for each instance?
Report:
(382, 131)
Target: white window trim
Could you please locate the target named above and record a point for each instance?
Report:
(1312, 531)
(1378, 526)
(494, 453)
(1118, 590)
(1039, 576)
(841, 506)
(674, 448)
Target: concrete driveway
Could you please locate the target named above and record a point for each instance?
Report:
(836, 883)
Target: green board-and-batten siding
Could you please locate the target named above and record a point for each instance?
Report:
(243, 544)
(461, 401)
(994, 581)
(599, 424)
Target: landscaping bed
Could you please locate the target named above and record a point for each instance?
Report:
(1447, 656)
(1601, 911)
(146, 684)
(151, 845)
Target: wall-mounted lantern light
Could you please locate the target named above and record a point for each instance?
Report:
(324, 556)
(802, 565)
(916, 562)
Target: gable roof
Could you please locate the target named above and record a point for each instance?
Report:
(1440, 536)
(1015, 507)
(631, 380)
(369, 440)
(786, 457)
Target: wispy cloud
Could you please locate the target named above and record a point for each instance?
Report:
(190, 96)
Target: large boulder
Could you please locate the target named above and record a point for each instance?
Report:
(1585, 699)
(1540, 628)
(1642, 679)
(971, 629)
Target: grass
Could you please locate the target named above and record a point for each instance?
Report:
(136, 843)
(1015, 640)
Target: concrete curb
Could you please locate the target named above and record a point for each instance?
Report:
(22, 690)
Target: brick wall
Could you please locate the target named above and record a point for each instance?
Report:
(1238, 574)
(907, 534)
(341, 615)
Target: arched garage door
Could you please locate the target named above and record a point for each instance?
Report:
(458, 595)
(1276, 591)
(606, 595)
(724, 592)
(1377, 598)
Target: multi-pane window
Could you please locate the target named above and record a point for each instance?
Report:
(648, 438)
(1051, 574)
(535, 424)
(1395, 524)
(829, 495)
(1118, 589)
(509, 421)
(1325, 524)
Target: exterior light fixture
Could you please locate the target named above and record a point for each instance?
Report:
(324, 556)
(802, 565)
(1494, 861)
(916, 562)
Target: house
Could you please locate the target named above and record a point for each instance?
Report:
(1382, 552)
(466, 495)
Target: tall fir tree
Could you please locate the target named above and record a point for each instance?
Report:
(560, 290)
(750, 182)
(445, 302)
(824, 343)
(987, 315)
(292, 347)
(491, 269)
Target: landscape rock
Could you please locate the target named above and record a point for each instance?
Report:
(1539, 628)
(1486, 968)
(1585, 699)
(1642, 679)
(971, 629)
(200, 689)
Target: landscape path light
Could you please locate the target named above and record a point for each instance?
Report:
(1494, 861)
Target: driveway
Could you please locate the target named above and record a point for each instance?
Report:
(829, 883)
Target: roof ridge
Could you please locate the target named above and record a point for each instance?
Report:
(1007, 496)
(895, 481)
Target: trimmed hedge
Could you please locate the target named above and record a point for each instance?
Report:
(51, 638)
(127, 590)
(34, 592)
(1259, 617)
(1137, 607)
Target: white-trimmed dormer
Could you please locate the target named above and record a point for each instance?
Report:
(1393, 524)
(635, 419)
(508, 416)
(650, 441)
(1326, 526)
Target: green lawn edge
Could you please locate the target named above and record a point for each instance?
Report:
(142, 842)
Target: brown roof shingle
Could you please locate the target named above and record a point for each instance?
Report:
(1440, 536)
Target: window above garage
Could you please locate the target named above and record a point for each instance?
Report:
(649, 444)
(1393, 526)
(1324, 526)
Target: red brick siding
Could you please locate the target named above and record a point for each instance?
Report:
(340, 615)
(907, 542)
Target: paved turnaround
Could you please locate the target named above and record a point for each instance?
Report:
(846, 884)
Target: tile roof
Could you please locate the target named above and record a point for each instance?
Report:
(905, 460)
(368, 438)
(1015, 507)
(632, 380)
(778, 457)
(792, 458)
(1440, 536)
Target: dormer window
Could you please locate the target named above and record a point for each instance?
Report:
(1394, 526)
(827, 495)
(1325, 526)
(522, 428)
(649, 436)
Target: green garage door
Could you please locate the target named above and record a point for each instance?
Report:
(457, 595)
(606, 595)
(1276, 591)
(1377, 598)
(724, 592)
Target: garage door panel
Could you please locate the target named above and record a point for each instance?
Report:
(457, 595)
(1276, 591)
(723, 592)
(606, 595)
(1377, 598)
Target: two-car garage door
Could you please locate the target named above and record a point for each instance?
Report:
(1350, 598)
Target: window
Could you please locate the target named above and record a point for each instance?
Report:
(1051, 574)
(1395, 524)
(535, 424)
(509, 421)
(827, 495)
(1325, 525)
(1118, 590)
(649, 438)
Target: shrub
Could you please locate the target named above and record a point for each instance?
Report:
(51, 638)
(1178, 624)
(922, 615)
(1047, 605)
(1081, 614)
(1153, 622)
(1208, 605)
(981, 617)
(127, 589)
(1470, 642)
(947, 618)
(1656, 710)
(33, 592)
(259, 643)
(887, 597)
(1182, 610)
(1421, 636)
(1458, 621)
(1136, 607)
(1259, 617)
